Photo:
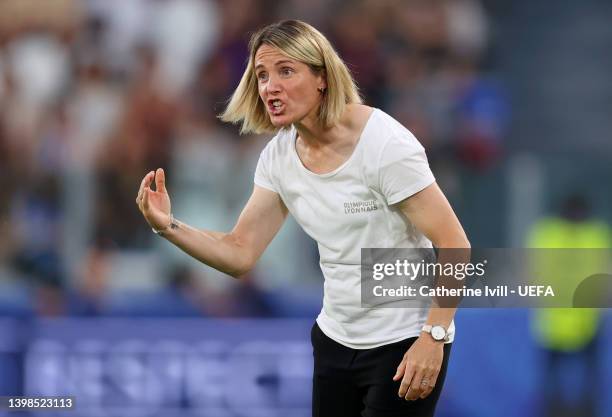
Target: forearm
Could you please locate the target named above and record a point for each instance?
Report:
(443, 309)
(440, 316)
(222, 251)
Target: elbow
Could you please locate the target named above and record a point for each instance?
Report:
(238, 273)
(242, 259)
(241, 269)
(462, 242)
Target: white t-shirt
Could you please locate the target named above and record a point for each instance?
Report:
(352, 208)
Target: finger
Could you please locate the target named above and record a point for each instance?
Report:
(415, 388)
(405, 384)
(425, 393)
(150, 178)
(427, 389)
(145, 199)
(400, 370)
(142, 187)
(139, 195)
(160, 180)
(141, 201)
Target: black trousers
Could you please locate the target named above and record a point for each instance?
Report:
(359, 383)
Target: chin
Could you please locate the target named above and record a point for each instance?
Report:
(281, 121)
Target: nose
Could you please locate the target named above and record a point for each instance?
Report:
(273, 86)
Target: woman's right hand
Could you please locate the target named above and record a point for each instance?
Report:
(154, 205)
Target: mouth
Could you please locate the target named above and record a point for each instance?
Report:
(275, 107)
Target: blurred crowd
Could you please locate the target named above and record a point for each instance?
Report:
(94, 94)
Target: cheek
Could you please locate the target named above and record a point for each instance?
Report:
(304, 96)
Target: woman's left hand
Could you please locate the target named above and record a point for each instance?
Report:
(419, 368)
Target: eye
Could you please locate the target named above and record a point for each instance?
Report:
(262, 76)
(286, 71)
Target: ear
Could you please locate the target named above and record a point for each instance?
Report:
(323, 80)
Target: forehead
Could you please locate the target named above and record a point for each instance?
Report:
(267, 54)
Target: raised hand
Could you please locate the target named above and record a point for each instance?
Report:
(154, 204)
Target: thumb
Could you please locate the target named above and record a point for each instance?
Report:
(160, 180)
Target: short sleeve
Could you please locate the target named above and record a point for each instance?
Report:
(263, 175)
(403, 169)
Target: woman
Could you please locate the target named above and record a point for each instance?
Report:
(353, 178)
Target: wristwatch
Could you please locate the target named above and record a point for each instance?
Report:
(438, 333)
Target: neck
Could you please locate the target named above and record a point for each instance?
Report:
(312, 134)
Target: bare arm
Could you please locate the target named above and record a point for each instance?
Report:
(233, 253)
(431, 214)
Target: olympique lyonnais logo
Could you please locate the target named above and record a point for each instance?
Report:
(354, 207)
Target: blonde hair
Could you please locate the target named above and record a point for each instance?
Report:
(301, 42)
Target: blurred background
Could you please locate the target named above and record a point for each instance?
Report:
(511, 99)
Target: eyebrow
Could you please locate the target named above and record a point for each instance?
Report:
(282, 61)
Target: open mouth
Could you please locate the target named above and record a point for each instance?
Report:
(275, 106)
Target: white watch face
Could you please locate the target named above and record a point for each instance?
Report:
(438, 332)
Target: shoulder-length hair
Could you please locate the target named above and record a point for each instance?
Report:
(301, 42)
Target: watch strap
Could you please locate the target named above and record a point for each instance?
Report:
(427, 328)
